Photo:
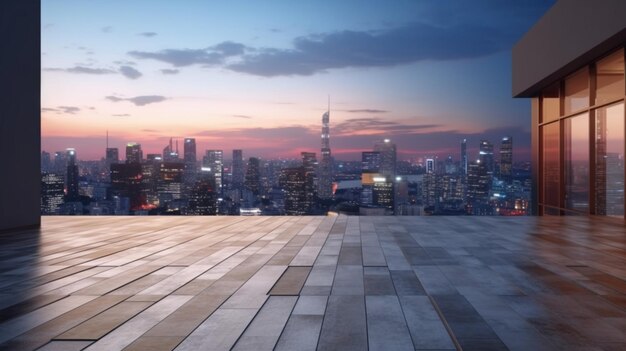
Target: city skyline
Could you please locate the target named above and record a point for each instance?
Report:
(148, 76)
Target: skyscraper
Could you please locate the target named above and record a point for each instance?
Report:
(325, 168)
(431, 165)
(294, 184)
(190, 155)
(202, 198)
(387, 151)
(51, 193)
(169, 153)
(485, 155)
(309, 162)
(253, 176)
(72, 176)
(213, 162)
(370, 161)
(237, 169)
(46, 162)
(463, 169)
(126, 182)
(506, 159)
(112, 156)
(478, 183)
(134, 153)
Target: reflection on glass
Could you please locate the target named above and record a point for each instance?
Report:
(610, 78)
(576, 153)
(577, 91)
(550, 99)
(610, 160)
(551, 164)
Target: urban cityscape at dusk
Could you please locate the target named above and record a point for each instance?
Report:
(153, 77)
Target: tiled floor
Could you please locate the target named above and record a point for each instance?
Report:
(306, 283)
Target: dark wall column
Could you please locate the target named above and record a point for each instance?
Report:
(20, 137)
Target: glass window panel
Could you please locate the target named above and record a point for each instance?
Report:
(576, 153)
(610, 78)
(550, 135)
(610, 160)
(551, 105)
(577, 91)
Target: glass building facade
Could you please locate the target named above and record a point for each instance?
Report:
(579, 121)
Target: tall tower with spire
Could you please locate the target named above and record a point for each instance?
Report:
(325, 183)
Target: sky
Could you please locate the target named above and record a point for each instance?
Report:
(258, 75)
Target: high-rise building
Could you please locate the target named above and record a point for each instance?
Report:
(46, 162)
(190, 157)
(485, 155)
(134, 153)
(325, 176)
(253, 176)
(169, 153)
(463, 166)
(52, 193)
(294, 184)
(112, 156)
(478, 185)
(213, 162)
(71, 177)
(506, 159)
(126, 182)
(238, 170)
(170, 183)
(577, 91)
(431, 165)
(202, 198)
(370, 161)
(387, 151)
(60, 162)
(309, 162)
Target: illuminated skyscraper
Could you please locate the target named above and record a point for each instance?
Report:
(431, 165)
(485, 155)
(309, 162)
(506, 159)
(213, 162)
(190, 155)
(134, 153)
(71, 176)
(202, 198)
(51, 193)
(294, 184)
(325, 182)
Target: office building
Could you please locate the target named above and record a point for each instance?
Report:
(170, 154)
(126, 182)
(387, 151)
(431, 165)
(189, 157)
(170, 182)
(238, 170)
(309, 162)
(202, 198)
(571, 65)
(463, 165)
(370, 161)
(478, 186)
(112, 155)
(46, 162)
(325, 176)
(506, 160)
(485, 155)
(134, 153)
(71, 177)
(253, 176)
(213, 162)
(52, 193)
(294, 184)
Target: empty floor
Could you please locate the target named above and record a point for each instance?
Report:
(306, 283)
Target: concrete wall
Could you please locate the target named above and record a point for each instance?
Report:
(20, 137)
(571, 34)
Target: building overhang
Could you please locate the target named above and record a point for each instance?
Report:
(571, 34)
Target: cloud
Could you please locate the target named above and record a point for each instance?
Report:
(242, 116)
(125, 63)
(81, 70)
(130, 72)
(148, 34)
(383, 48)
(139, 100)
(367, 110)
(62, 110)
(213, 55)
(170, 71)
(107, 29)
(378, 126)
(121, 115)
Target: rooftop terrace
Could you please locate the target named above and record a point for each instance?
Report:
(306, 283)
